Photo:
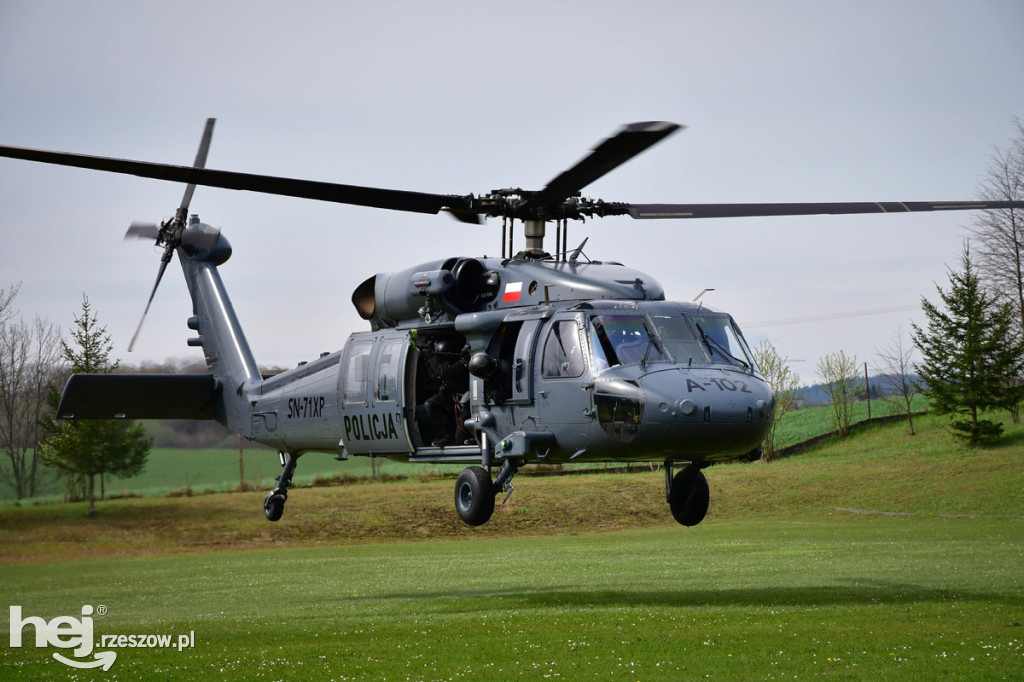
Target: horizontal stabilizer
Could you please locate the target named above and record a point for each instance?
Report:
(139, 396)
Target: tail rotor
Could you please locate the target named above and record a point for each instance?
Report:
(169, 233)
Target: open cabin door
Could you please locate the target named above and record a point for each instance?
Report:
(372, 402)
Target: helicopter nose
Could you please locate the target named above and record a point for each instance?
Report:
(711, 414)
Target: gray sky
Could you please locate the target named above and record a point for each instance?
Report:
(783, 101)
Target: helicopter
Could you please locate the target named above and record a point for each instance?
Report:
(495, 363)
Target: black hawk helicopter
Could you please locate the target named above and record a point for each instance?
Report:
(489, 362)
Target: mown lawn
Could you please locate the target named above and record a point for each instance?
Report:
(801, 570)
(837, 596)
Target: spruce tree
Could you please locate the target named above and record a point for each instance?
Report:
(83, 450)
(972, 354)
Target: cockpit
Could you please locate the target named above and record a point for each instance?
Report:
(631, 337)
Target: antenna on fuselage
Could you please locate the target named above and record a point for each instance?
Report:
(697, 297)
(574, 256)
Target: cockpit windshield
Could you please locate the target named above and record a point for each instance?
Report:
(624, 339)
(723, 340)
(638, 338)
(682, 345)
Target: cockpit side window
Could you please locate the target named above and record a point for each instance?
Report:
(563, 355)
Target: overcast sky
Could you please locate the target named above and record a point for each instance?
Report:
(783, 101)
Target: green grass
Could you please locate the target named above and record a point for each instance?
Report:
(801, 425)
(581, 577)
(833, 596)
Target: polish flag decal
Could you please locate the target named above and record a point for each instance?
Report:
(513, 290)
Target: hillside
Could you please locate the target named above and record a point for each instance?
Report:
(879, 470)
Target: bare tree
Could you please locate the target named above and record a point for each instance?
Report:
(896, 369)
(839, 374)
(783, 382)
(998, 236)
(29, 363)
(6, 298)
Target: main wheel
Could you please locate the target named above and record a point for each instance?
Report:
(689, 497)
(474, 496)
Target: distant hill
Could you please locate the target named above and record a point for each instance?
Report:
(881, 387)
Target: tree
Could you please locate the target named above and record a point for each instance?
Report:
(999, 234)
(783, 382)
(29, 363)
(83, 450)
(6, 298)
(895, 366)
(972, 354)
(840, 376)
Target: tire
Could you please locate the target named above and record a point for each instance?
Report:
(474, 496)
(689, 497)
(273, 507)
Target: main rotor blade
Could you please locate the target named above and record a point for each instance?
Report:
(394, 199)
(682, 211)
(610, 154)
(200, 162)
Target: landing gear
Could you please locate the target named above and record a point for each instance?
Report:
(503, 482)
(687, 493)
(474, 496)
(273, 503)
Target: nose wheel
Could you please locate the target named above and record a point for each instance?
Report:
(688, 494)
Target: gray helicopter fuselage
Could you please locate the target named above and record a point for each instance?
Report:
(549, 390)
(473, 361)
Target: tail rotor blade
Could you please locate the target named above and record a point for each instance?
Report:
(159, 276)
(204, 150)
(139, 230)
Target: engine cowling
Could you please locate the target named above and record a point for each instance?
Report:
(451, 287)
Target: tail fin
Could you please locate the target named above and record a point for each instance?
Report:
(227, 352)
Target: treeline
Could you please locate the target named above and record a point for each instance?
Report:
(880, 387)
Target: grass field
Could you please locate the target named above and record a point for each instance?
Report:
(580, 577)
(843, 597)
(801, 425)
